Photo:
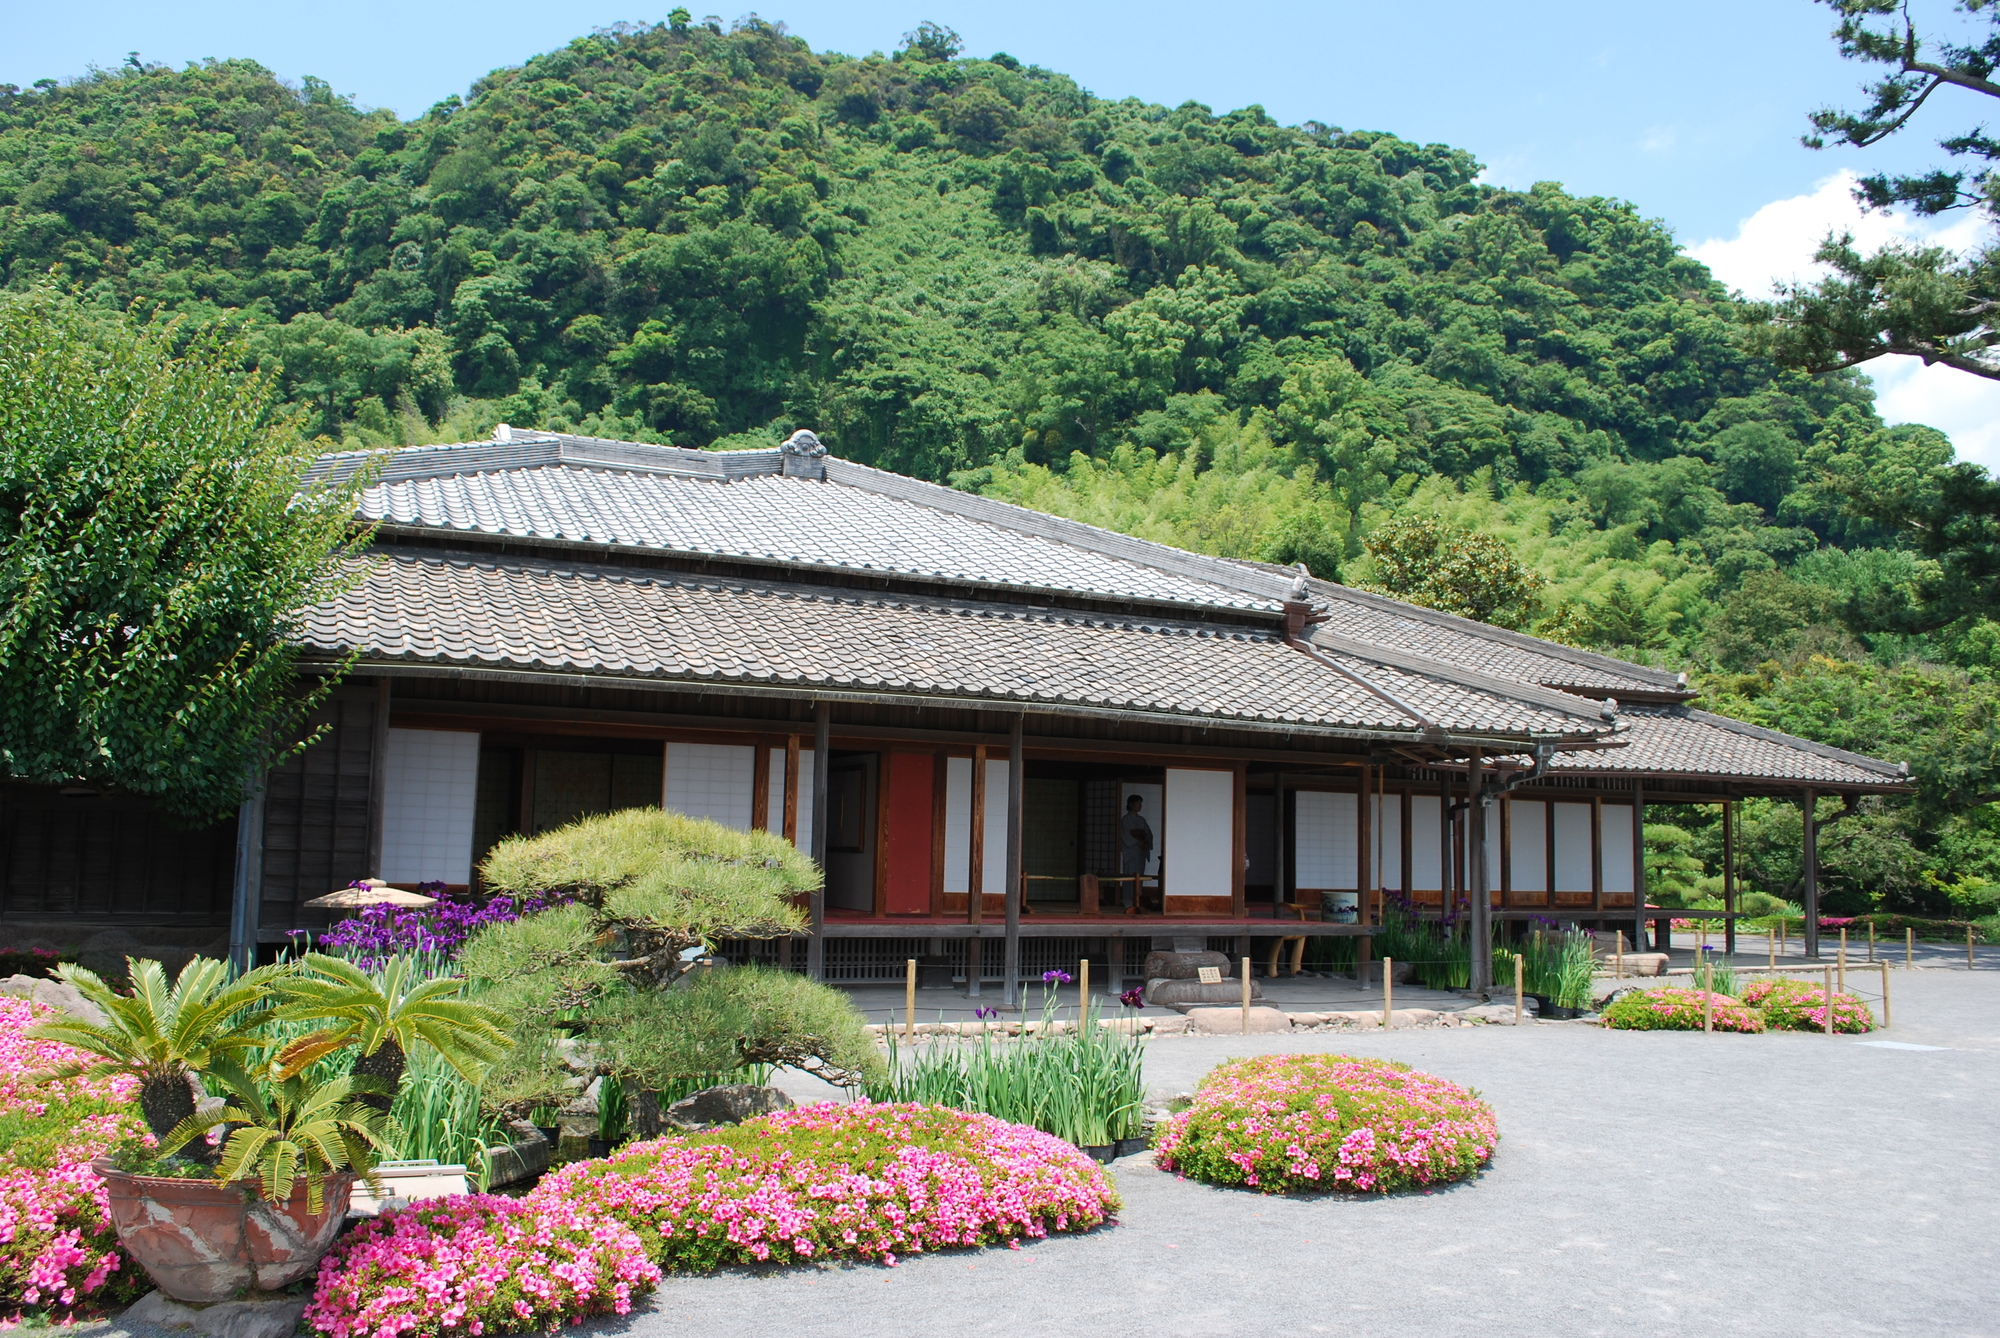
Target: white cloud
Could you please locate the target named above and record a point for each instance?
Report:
(1659, 139)
(1776, 245)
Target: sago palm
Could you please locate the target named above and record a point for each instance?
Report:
(384, 1016)
(162, 1034)
(278, 1131)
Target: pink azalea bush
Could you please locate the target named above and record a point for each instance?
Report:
(478, 1264)
(1282, 1123)
(1790, 1004)
(59, 1254)
(862, 1181)
(1675, 1009)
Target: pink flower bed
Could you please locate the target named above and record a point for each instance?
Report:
(829, 1181)
(59, 1254)
(1282, 1123)
(1798, 1005)
(1675, 1009)
(478, 1264)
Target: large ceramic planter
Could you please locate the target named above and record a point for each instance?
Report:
(205, 1242)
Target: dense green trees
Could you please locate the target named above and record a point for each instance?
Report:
(1251, 339)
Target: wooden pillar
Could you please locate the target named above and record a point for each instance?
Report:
(1280, 892)
(1505, 812)
(246, 900)
(1239, 844)
(378, 778)
(1016, 784)
(1480, 925)
(1810, 812)
(940, 785)
(822, 750)
(1362, 863)
(1597, 856)
(791, 814)
(1403, 812)
(760, 788)
(1447, 849)
(1638, 865)
(1729, 873)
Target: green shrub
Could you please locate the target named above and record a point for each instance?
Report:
(1790, 1004)
(1673, 1009)
(727, 1019)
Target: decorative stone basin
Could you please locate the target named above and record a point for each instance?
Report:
(205, 1242)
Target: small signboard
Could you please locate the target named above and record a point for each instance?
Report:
(1210, 975)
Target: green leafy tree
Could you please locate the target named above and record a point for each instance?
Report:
(1442, 566)
(159, 536)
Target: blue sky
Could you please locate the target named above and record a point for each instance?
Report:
(1692, 111)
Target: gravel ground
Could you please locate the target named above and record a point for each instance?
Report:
(1646, 1183)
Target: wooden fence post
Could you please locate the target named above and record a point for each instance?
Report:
(1885, 996)
(1771, 939)
(1909, 947)
(1246, 996)
(1388, 989)
(910, 999)
(1617, 962)
(1843, 959)
(1826, 996)
(1517, 989)
(1707, 995)
(1083, 994)
(1968, 947)
(1871, 940)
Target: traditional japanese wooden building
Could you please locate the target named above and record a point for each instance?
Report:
(948, 700)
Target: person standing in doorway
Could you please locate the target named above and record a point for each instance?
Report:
(1135, 850)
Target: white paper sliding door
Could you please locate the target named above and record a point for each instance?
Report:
(1618, 848)
(1573, 848)
(1200, 839)
(430, 787)
(1325, 855)
(1530, 845)
(958, 827)
(712, 780)
(1426, 859)
(774, 796)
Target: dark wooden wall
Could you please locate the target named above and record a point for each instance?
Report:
(316, 816)
(110, 859)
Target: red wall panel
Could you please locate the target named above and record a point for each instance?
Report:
(907, 867)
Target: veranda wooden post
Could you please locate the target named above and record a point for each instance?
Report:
(1017, 770)
(822, 757)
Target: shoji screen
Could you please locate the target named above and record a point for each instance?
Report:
(1531, 846)
(712, 780)
(1573, 847)
(1200, 839)
(431, 785)
(1325, 855)
(1617, 848)
(1426, 860)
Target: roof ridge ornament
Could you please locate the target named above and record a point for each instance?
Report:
(804, 456)
(1300, 611)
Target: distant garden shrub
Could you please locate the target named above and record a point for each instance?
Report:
(1675, 1009)
(477, 1264)
(1283, 1123)
(1800, 1005)
(861, 1181)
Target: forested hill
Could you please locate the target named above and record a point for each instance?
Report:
(1284, 343)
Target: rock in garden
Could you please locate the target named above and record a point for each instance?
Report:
(713, 1107)
(1229, 1021)
(1183, 965)
(54, 993)
(1636, 964)
(273, 1317)
(1498, 1014)
(1186, 994)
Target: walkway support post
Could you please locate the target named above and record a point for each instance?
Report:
(822, 747)
(1016, 783)
(1811, 928)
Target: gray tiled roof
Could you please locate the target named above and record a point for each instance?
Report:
(1676, 741)
(535, 615)
(860, 519)
(1360, 615)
